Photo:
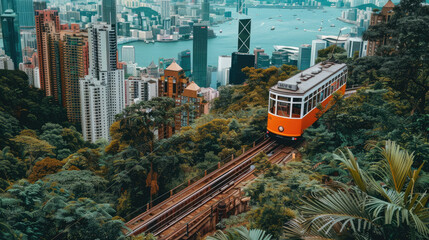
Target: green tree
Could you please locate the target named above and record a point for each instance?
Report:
(367, 209)
(240, 233)
(11, 168)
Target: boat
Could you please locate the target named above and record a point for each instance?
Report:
(296, 28)
(332, 25)
(272, 28)
(220, 31)
(270, 18)
(320, 29)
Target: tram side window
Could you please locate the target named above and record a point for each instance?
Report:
(296, 110)
(305, 108)
(283, 109)
(272, 106)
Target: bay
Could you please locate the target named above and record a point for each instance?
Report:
(285, 33)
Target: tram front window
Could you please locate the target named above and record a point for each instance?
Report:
(296, 111)
(283, 109)
(272, 106)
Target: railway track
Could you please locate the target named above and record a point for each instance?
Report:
(178, 206)
(231, 197)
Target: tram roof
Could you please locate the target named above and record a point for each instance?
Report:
(308, 78)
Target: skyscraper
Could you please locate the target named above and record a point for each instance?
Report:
(244, 26)
(8, 4)
(184, 60)
(238, 62)
(104, 82)
(199, 59)
(39, 5)
(128, 54)
(256, 52)
(25, 13)
(165, 9)
(316, 45)
(108, 11)
(354, 45)
(11, 36)
(47, 25)
(205, 10)
(304, 56)
(74, 66)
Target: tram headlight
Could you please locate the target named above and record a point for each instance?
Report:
(281, 129)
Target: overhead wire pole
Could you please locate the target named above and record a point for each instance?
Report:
(336, 42)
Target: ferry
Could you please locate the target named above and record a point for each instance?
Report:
(298, 19)
(332, 25)
(220, 31)
(272, 28)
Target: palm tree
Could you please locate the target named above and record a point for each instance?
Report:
(382, 203)
(240, 233)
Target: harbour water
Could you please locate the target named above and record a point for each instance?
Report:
(289, 31)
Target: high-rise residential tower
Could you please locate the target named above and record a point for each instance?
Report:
(244, 26)
(108, 11)
(199, 59)
(165, 9)
(74, 66)
(102, 91)
(11, 36)
(47, 25)
(223, 66)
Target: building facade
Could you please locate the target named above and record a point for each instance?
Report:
(128, 54)
(199, 58)
(238, 62)
(103, 74)
(184, 60)
(383, 16)
(47, 27)
(11, 36)
(304, 56)
(316, 45)
(244, 27)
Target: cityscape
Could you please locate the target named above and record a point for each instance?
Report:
(214, 119)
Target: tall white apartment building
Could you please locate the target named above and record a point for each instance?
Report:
(93, 109)
(316, 45)
(128, 54)
(104, 86)
(223, 66)
(165, 9)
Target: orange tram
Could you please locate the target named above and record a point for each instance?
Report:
(293, 102)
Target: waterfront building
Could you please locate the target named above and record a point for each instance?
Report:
(108, 12)
(263, 60)
(223, 66)
(128, 54)
(11, 36)
(184, 60)
(199, 58)
(383, 16)
(74, 66)
(244, 27)
(238, 62)
(165, 9)
(316, 45)
(205, 11)
(124, 29)
(171, 84)
(106, 79)
(304, 56)
(47, 27)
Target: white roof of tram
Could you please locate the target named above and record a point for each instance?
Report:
(307, 79)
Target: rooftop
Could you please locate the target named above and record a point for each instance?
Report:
(193, 87)
(308, 79)
(174, 67)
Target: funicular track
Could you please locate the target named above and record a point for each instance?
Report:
(178, 206)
